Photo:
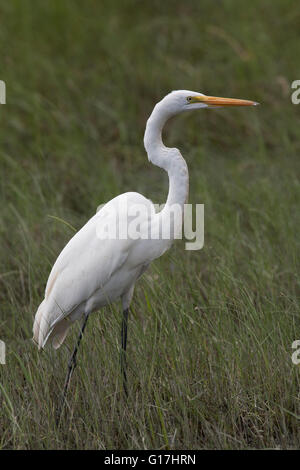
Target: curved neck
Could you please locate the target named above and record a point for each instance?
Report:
(170, 159)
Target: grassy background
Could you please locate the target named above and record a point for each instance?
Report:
(210, 332)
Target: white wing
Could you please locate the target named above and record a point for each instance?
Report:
(87, 263)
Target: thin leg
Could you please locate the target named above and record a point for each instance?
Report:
(71, 367)
(123, 350)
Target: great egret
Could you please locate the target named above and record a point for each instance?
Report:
(92, 271)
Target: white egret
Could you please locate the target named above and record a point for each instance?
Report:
(92, 271)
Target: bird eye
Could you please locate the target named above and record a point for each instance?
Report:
(189, 98)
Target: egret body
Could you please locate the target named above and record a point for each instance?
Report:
(92, 272)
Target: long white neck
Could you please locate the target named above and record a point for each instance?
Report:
(170, 159)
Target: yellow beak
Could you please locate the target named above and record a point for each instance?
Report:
(216, 101)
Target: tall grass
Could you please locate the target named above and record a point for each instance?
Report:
(210, 332)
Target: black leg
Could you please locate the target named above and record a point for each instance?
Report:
(71, 367)
(123, 350)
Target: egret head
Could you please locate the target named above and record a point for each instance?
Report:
(178, 102)
(184, 100)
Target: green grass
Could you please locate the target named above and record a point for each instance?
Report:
(210, 332)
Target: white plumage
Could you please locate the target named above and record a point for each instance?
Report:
(91, 272)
